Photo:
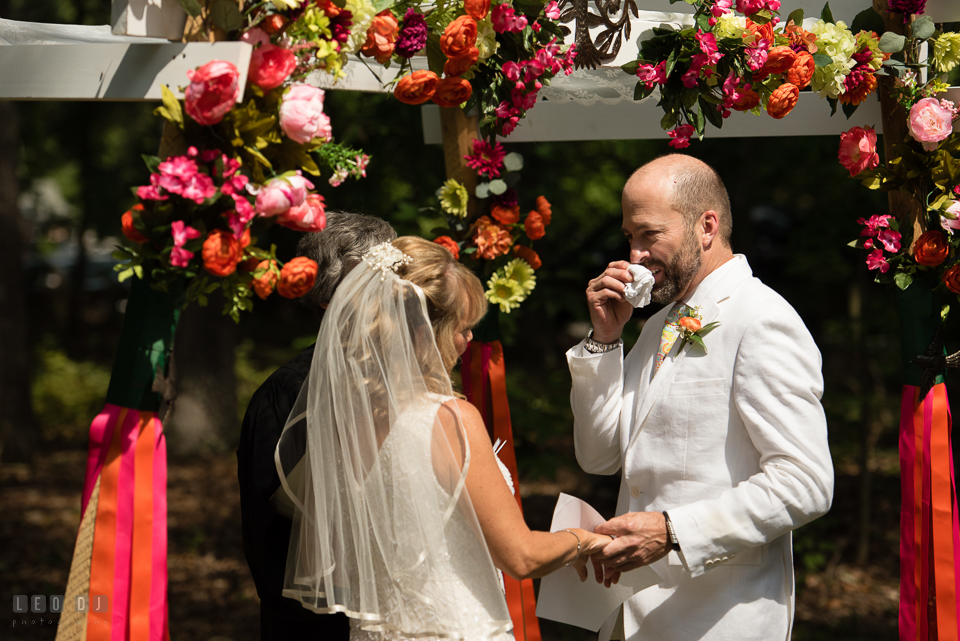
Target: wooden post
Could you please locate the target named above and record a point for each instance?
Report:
(459, 131)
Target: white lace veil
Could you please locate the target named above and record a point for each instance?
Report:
(379, 490)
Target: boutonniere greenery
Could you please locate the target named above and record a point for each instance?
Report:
(692, 330)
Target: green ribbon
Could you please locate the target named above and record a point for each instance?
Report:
(919, 308)
(145, 341)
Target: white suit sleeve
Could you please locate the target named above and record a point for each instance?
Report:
(777, 386)
(596, 398)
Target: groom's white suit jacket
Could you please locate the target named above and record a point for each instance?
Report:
(731, 443)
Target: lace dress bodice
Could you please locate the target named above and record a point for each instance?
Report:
(451, 585)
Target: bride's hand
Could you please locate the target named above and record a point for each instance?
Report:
(590, 543)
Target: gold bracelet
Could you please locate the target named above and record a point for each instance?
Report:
(574, 560)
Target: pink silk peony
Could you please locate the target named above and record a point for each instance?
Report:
(951, 225)
(301, 114)
(858, 150)
(307, 216)
(270, 65)
(213, 89)
(280, 194)
(929, 122)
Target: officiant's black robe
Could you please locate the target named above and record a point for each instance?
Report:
(266, 534)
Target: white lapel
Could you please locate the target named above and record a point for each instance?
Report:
(708, 299)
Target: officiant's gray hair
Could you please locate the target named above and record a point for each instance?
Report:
(338, 249)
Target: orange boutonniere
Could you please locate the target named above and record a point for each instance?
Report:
(693, 331)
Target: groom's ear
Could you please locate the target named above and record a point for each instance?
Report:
(709, 228)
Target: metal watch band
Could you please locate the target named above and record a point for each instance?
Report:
(671, 535)
(595, 347)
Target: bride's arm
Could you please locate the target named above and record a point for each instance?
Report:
(518, 551)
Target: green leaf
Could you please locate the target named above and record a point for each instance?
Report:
(124, 275)
(848, 109)
(171, 106)
(903, 280)
(944, 312)
(923, 28)
(688, 97)
(867, 20)
(891, 42)
(192, 7)
(822, 59)
(710, 111)
(699, 122)
(693, 338)
(631, 67)
(497, 187)
(483, 191)
(797, 16)
(380, 5)
(226, 15)
(833, 105)
(435, 57)
(709, 327)
(642, 90)
(152, 162)
(826, 15)
(856, 244)
(122, 253)
(671, 61)
(669, 121)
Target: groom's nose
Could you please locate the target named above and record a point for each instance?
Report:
(638, 254)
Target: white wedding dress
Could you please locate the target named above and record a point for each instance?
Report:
(452, 584)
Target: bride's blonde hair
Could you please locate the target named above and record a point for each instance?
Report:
(455, 297)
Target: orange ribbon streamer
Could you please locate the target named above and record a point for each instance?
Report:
(142, 553)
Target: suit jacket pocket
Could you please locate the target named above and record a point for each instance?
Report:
(705, 387)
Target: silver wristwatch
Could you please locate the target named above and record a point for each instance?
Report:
(671, 535)
(594, 347)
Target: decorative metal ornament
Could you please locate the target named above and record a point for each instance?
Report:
(612, 14)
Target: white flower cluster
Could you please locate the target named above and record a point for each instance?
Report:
(836, 41)
(946, 51)
(730, 25)
(363, 12)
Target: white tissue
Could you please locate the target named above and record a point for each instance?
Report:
(637, 293)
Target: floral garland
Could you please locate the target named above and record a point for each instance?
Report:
(927, 164)
(487, 241)
(751, 62)
(240, 168)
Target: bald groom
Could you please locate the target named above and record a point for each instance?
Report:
(722, 451)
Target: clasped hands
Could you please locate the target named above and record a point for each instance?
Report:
(637, 539)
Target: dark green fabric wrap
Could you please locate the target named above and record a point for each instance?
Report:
(919, 307)
(145, 341)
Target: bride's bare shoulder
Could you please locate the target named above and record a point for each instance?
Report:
(456, 410)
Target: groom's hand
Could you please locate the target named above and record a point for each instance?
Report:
(640, 539)
(609, 310)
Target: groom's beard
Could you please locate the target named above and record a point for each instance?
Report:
(678, 274)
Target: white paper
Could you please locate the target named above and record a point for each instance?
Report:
(587, 605)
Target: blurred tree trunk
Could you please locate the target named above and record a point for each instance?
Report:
(203, 414)
(19, 437)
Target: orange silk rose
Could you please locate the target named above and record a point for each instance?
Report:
(450, 244)
(951, 278)
(779, 60)
(491, 239)
(783, 100)
(129, 227)
(527, 254)
(931, 248)
(801, 73)
(264, 284)
(417, 88)
(689, 323)
(297, 277)
(381, 37)
(762, 32)
(221, 253)
(506, 215)
(459, 36)
(477, 9)
(544, 209)
(274, 23)
(748, 100)
(462, 63)
(534, 227)
(452, 92)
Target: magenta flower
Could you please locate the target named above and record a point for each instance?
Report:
(198, 188)
(681, 136)
(180, 257)
(506, 20)
(874, 224)
(890, 240)
(650, 75)
(708, 45)
(151, 191)
(875, 260)
(757, 54)
(720, 8)
(486, 159)
(413, 34)
(858, 150)
(907, 6)
(552, 11)
(511, 71)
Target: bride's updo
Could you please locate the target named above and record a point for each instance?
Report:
(455, 298)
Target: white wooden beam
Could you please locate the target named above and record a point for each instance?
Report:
(628, 120)
(150, 18)
(121, 72)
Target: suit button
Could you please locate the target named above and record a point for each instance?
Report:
(635, 492)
